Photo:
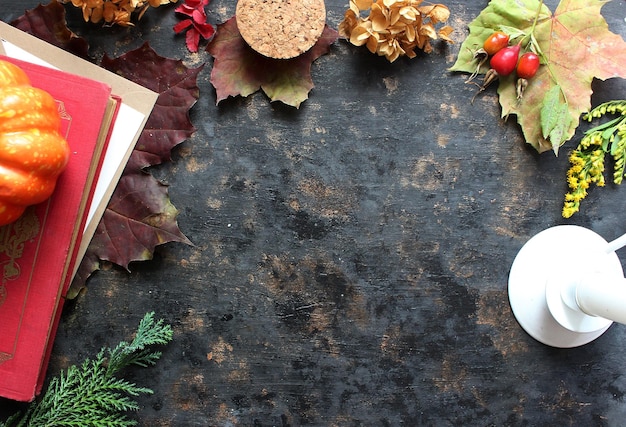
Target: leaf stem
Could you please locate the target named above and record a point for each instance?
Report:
(539, 51)
(530, 33)
(532, 29)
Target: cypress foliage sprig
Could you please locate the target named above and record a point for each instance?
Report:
(92, 394)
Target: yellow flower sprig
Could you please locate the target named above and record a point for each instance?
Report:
(587, 160)
(395, 28)
(115, 12)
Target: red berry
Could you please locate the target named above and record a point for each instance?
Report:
(504, 61)
(496, 41)
(527, 66)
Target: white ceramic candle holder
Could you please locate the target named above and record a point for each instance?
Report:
(567, 286)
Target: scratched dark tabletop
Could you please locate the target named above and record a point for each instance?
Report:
(351, 257)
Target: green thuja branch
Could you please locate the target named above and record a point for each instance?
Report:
(587, 160)
(92, 394)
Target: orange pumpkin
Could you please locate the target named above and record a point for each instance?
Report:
(33, 153)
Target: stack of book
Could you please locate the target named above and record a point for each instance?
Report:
(103, 115)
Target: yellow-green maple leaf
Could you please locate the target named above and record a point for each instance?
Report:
(576, 44)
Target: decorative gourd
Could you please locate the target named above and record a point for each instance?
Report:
(33, 153)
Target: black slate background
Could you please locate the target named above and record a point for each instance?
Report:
(351, 257)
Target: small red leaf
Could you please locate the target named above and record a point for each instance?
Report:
(192, 38)
(195, 10)
(184, 9)
(198, 16)
(206, 30)
(182, 25)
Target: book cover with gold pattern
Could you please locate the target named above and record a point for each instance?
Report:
(38, 251)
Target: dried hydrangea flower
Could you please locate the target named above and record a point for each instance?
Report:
(395, 28)
(115, 12)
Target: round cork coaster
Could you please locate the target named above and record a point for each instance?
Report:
(281, 29)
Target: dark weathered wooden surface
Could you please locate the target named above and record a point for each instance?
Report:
(351, 257)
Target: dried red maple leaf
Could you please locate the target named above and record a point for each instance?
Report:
(239, 70)
(169, 123)
(48, 23)
(140, 215)
(131, 228)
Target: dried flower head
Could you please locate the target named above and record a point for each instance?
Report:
(115, 12)
(395, 27)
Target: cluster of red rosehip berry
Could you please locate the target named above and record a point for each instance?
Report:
(505, 60)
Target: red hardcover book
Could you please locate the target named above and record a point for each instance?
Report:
(38, 251)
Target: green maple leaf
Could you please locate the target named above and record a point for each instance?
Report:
(239, 70)
(576, 47)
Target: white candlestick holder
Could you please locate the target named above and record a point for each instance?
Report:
(567, 286)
